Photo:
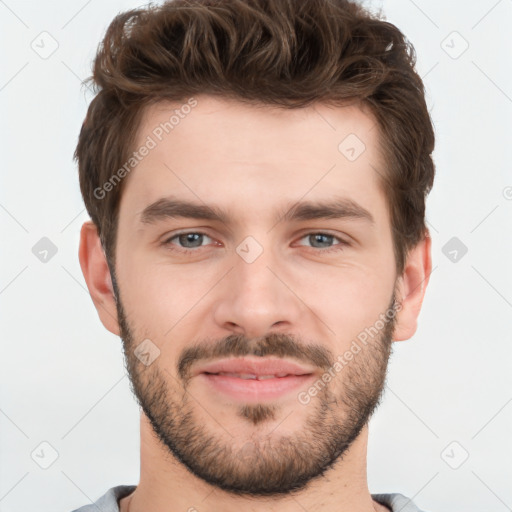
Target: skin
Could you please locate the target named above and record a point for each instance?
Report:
(199, 448)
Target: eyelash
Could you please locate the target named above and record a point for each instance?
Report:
(184, 250)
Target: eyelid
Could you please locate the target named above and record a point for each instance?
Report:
(337, 237)
(342, 242)
(167, 238)
(342, 237)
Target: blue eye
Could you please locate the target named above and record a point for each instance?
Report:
(193, 238)
(317, 237)
(191, 241)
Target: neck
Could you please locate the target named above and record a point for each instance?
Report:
(166, 485)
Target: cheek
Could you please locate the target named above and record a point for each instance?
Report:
(167, 299)
(158, 295)
(349, 298)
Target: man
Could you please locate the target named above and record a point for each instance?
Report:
(256, 175)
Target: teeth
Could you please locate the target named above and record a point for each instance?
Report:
(252, 376)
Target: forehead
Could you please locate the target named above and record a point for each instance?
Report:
(251, 158)
(204, 120)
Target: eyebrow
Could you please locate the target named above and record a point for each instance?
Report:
(337, 208)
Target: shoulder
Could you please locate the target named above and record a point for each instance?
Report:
(396, 502)
(109, 501)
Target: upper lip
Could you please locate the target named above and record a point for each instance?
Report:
(255, 367)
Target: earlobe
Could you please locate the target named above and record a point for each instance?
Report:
(411, 288)
(97, 276)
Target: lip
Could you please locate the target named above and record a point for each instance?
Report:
(258, 367)
(254, 390)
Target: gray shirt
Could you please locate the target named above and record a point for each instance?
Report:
(109, 502)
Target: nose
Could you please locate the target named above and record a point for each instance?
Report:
(256, 298)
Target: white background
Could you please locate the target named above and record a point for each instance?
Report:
(62, 377)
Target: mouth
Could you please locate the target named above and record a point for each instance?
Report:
(251, 380)
(252, 376)
(255, 368)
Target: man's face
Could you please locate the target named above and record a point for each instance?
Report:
(263, 282)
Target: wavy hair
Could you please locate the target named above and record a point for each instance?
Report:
(286, 53)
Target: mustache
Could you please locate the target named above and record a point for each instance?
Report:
(238, 345)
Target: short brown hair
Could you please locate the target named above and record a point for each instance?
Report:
(286, 53)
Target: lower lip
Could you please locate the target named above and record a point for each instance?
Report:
(253, 389)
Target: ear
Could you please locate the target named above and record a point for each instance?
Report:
(411, 287)
(97, 276)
